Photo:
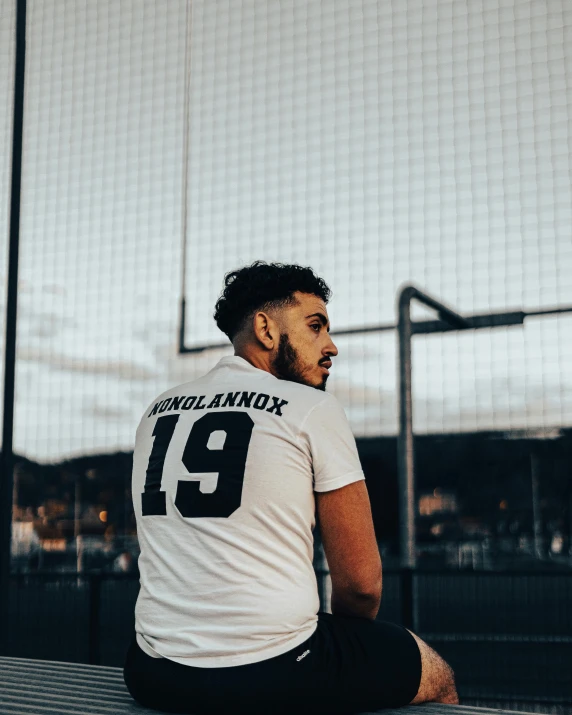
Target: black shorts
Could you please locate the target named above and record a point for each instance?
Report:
(353, 665)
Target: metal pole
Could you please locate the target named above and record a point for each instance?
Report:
(94, 608)
(570, 526)
(405, 456)
(77, 506)
(126, 480)
(76, 525)
(536, 514)
(7, 458)
(405, 453)
(15, 491)
(408, 599)
(449, 321)
(185, 178)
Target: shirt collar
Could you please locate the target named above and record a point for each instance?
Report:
(238, 362)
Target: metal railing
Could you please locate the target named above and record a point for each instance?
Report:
(448, 320)
(507, 635)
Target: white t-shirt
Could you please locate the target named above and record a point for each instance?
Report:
(224, 474)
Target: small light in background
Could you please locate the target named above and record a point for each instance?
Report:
(503, 505)
(103, 516)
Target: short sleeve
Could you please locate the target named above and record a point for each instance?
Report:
(327, 434)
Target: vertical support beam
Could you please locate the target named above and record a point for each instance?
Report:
(94, 609)
(185, 179)
(536, 513)
(182, 318)
(408, 599)
(77, 525)
(570, 524)
(6, 458)
(405, 454)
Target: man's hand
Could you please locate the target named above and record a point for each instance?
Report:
(353, 557)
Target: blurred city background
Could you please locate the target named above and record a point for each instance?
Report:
(381, 142)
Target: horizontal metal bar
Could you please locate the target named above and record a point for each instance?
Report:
(388, 571)
(549, 311)
(184, 350)
(62, 576)
(473, 322)
(494, 697)
(410, 293)
(483, 573)
(345, 331)
(494, 638)
(487, 320)
(423, 327)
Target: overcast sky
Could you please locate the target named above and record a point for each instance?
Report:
(379, 142)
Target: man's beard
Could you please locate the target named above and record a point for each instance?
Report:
(287, 366)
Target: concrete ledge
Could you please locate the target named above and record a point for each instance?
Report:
(45, 687)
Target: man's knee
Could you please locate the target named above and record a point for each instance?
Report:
(437, 678)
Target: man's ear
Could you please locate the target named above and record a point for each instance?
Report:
(265, 330)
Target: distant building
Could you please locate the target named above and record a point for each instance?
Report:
(437, 502)
(25, 540)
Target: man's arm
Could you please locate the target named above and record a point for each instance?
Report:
(349, 542)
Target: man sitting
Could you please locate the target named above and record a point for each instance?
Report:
(230, 471)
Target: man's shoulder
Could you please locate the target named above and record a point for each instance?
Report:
(308, 398)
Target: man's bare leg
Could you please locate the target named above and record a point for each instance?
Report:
(437, 678)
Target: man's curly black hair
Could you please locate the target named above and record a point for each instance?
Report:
(263, 286)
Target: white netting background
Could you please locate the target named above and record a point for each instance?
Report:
(390, 142)
(378, 142)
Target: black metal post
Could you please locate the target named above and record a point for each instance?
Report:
(7, 458)
(182, 318)
(536, 511)
(407, 600)
(405, 452)
(405, 455)
(94, 637)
